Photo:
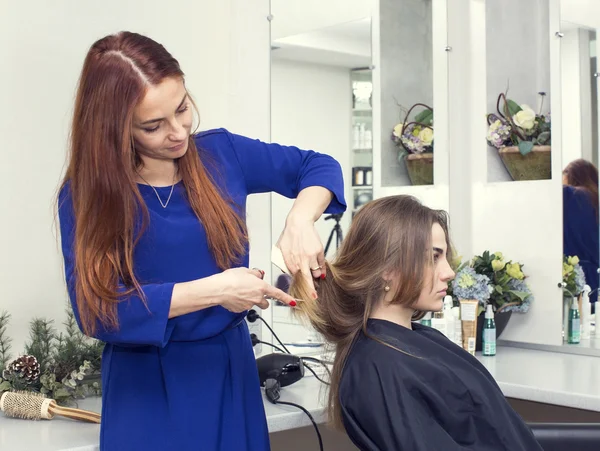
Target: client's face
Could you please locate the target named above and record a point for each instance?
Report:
(437, 275)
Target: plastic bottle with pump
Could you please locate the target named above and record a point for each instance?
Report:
(489, 332)
(449, 319)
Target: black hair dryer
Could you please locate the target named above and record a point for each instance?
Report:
(285, 368)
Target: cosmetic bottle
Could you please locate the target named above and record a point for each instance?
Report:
(574, 332)
(449, 319)
(489, 332)
(426, 320)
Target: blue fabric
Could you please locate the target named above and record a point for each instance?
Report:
(191, 383)
(580, 234)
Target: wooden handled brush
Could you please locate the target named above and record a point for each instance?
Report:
(35, 406)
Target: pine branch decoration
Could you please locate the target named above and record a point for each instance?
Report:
(5, 341)
(42, 335)
(69, 362)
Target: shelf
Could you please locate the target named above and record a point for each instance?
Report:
(365, 187)
(362, 150)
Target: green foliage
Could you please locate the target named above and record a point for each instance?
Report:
(5, 341)
(425, 117)
(513, 107)
(70, 362)
(502, 275)
(525, 147)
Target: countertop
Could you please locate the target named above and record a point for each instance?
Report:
(549, 377)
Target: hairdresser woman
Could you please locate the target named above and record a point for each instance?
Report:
(156, 251)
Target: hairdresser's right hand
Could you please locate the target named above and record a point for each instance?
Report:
(244, 288)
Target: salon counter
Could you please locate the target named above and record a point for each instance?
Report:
(541, 377)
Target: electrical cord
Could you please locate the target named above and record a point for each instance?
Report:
(252, 316)
(320, 362)
(315, 374)
(272, 390)
(256, 341)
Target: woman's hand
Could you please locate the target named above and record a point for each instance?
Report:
(243, 288)
(302, 249)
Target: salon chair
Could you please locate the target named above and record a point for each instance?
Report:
(567, 436)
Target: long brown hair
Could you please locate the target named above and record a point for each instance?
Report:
(108, 206)
(583, 174)
(388, 235)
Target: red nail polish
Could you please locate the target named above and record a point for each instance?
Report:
(293, 303)
(322, 275)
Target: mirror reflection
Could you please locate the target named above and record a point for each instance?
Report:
(580, 183)
(406, 71)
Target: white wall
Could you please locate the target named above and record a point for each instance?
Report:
(223, 46)
(311, 109)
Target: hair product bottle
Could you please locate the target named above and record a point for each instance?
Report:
(489, 332)
(574, 323)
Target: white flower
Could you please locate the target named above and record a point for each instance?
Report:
(398, 130)
(426, 136)
(525, 118)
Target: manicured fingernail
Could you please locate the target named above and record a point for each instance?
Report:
(322, 275)
(314, 295)
(293, 303)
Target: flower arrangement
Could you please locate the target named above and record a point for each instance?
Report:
(416, 136)
(508, 289)
(573, 276)
(469, 285)
(518, 125)
(64, 367)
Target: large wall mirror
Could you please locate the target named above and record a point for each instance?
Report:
(321, 99)
(579, 91)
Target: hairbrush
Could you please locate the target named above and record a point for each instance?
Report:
(35, 406)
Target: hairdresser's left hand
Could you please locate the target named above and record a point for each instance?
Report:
(302, 249)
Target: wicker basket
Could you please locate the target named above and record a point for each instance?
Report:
(536, 165)
(420, 168)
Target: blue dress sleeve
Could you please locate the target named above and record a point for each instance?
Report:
(287, 170)
(139, 323)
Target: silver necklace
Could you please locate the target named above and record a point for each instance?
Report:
(164, 205)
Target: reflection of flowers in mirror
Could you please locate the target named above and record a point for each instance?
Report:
(415, 136)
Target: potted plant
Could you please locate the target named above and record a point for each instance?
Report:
(415, 140)
(507, 290)
(522, 138)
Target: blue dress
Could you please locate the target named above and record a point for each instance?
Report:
(190, 382)
(580, 234)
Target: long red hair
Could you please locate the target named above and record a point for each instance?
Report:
(101, 172)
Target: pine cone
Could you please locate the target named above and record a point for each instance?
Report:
(25, 367)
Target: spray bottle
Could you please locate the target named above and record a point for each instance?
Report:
(489, 332)
(574, 333)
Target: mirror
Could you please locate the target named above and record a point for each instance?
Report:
(321, 95)
(579, 86)
(406, 90)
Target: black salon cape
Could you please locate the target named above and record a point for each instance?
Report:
(440, 398)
